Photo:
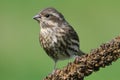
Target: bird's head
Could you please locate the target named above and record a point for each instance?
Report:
(49, 17)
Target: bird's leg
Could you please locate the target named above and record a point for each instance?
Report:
(55, 62)
(54, 68)
(55, 65)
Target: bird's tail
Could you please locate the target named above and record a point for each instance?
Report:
(80, 53)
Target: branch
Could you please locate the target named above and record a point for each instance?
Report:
(86, 64)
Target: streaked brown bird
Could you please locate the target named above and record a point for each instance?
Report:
(57, 37)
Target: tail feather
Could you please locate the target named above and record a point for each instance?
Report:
(80, 53)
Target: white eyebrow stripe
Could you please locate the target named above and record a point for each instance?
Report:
(55, 14)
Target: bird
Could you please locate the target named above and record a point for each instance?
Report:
(57, 37)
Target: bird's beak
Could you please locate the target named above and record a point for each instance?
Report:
(37, 17)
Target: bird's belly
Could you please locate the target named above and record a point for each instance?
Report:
(54, 48)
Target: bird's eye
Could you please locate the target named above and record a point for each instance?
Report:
(47, 15)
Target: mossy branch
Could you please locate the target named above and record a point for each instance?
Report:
(86, 64)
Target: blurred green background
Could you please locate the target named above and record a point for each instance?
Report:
(22, 58)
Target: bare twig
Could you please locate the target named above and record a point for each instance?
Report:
(86, 64)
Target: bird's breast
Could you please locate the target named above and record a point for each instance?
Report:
(48, 38)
